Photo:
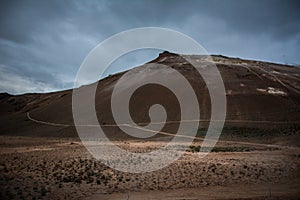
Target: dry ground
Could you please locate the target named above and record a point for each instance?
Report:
(41, 168)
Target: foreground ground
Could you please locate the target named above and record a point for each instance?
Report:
(41, 168)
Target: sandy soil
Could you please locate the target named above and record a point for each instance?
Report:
(235, 191)
(41, 168)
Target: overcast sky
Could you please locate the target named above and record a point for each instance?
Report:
(43, 43)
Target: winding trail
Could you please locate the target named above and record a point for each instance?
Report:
(177, 135)
(167, 122)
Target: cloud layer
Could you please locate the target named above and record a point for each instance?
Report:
(42, 43)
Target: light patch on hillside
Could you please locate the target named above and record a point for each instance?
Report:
(272, 91)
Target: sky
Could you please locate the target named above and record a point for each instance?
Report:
(43, 43)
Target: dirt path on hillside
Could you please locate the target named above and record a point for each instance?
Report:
(178, 135)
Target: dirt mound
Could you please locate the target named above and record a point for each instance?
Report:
(259, 95)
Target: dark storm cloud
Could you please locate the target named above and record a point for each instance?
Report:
(21, 20)
(42, 43)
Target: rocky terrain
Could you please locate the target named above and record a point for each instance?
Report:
(39, 168)
(257, 156)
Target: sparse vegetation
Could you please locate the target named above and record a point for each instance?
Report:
(68, 169)
(247, 132)
(193, 148)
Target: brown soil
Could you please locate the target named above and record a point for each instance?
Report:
(62, 168)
